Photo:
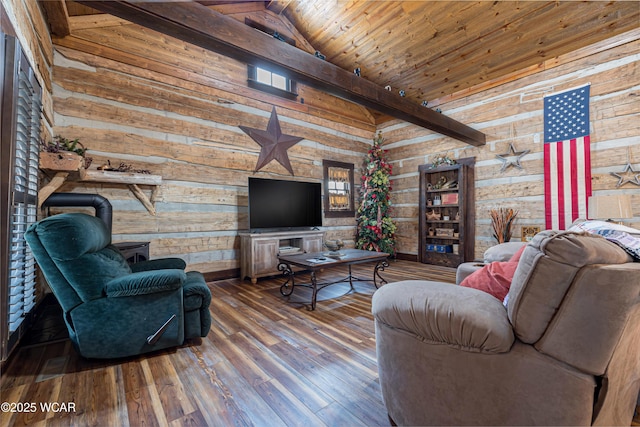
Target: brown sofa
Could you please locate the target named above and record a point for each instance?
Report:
(565, 350)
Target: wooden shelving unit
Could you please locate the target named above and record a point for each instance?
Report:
(447, 213)
(130, 179)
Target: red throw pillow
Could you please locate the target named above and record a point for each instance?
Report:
(517, 255)
(494, 278)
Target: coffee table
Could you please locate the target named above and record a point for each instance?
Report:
(317, 261)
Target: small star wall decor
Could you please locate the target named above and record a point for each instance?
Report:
(511, 158)
(627, 175)
(273, 142)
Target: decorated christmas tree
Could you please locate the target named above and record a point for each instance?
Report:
(376, 230)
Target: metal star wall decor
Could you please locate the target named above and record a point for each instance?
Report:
(627, 175)
(273, 142)
(511, 158)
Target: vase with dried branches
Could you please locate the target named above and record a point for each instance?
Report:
(502, 220)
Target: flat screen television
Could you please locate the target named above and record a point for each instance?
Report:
(282, 205)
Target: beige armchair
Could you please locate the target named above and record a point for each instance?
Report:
(565, 350)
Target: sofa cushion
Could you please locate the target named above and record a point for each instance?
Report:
(502, 252)
(598, 310)
(545, 272)
(494, 278)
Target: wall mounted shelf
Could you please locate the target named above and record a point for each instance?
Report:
(131, 179)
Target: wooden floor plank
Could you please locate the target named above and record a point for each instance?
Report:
(290, 409)
(311, 397)
(267, 361)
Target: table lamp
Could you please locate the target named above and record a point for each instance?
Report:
(609, 208)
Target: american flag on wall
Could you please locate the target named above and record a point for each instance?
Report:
(567, 157)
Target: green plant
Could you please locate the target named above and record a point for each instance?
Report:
(60, 143)
(443, 160)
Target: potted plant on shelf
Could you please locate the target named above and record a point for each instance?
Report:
(63, 154)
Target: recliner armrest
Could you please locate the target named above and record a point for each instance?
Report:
(159, 264)
(145, 282)
(442, 313)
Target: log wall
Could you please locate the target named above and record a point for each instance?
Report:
(512, 113)
(135, 96)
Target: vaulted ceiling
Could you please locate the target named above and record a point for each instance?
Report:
(432, 50)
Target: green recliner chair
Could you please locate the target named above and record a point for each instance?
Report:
(113, 309)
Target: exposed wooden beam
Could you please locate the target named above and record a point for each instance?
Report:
(201, 26)
(277, 6)
(57, 16)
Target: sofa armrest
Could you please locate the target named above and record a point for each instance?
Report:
(466, 269)
(196, 285)
(145, 282)
(442, 313)
(159, 264)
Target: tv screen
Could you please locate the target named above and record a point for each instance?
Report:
(280, 204)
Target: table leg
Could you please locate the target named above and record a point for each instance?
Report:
(288, 273)
(351, 278)
(314, 285)
(380, 266)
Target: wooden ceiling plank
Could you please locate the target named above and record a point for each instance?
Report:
(199, 25)
(400, 32)
(508, 43)
(345, 22)
(102, 20)
(627, 37)
(436, 48)
(511, 58)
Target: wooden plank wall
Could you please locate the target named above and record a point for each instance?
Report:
(512, 113)
(136, 96)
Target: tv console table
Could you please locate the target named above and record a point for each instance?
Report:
(320, 261)
(259, 251)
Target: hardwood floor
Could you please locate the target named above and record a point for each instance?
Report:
(268, 361)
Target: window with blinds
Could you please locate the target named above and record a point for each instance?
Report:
(22, 270)
(22, 105)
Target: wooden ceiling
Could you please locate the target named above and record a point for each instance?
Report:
(433, 49)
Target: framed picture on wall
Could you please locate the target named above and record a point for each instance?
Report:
(527, 233)
(338, 189)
